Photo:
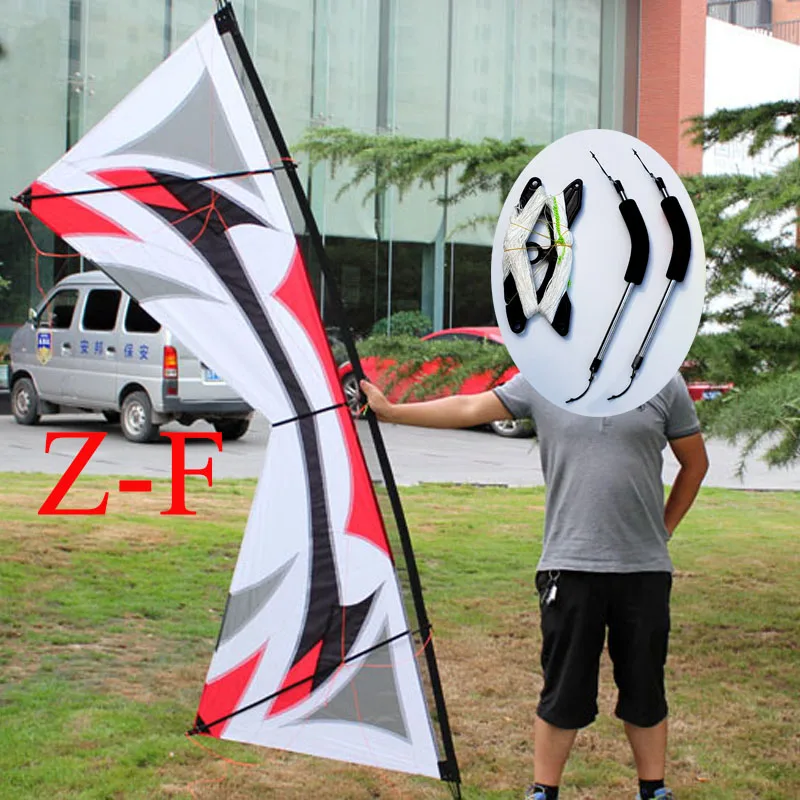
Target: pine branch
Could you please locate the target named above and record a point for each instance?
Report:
(766, 414)
(448, 363)
(765, 123)
(403, 162)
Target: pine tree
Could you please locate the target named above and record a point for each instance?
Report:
(760, 350)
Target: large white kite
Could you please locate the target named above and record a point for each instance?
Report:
(182, 194)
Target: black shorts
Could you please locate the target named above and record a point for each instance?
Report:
(635, 609)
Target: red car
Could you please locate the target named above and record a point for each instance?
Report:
(376, 368)
(700, 390)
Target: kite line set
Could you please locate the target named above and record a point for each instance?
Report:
(536, 276)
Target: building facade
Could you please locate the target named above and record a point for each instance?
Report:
(425, 68)
(537, 69)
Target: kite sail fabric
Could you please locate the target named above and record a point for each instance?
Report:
(177, 195)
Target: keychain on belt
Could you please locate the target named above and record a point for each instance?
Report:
(551, 589)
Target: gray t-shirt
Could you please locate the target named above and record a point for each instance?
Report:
(605, 495)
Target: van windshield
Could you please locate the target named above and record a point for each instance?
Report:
(57, 313)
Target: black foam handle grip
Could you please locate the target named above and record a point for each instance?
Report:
(681, 239)
(640, 241)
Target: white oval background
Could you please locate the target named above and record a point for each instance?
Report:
(558, 368)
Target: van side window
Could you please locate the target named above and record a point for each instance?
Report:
(137, 320)
(58, 312)
(100, 311)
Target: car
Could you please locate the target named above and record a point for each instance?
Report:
(376, 370)
(91, 347)
(700, 390)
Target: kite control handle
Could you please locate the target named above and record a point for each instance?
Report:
(681, 239)
(676, 270)
(640, 241)
(634, 273)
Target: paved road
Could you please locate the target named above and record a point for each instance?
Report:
(417, 455)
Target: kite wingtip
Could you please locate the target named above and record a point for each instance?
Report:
(23, 198)
(198, 728)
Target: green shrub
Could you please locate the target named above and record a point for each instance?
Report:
(404, 323)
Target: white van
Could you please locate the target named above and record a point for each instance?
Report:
(91, 347)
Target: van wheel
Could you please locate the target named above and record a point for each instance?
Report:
(136, 418)
(232, 429)
(25, 402)
(112, 417)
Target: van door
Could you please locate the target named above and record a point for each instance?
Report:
(94, 382)
(56, 344)
(142, 342)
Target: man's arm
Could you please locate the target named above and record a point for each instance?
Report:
(693, 459)
(457, 411)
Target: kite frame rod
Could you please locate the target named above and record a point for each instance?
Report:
(227, 24)
(26, 198)
(205, 727)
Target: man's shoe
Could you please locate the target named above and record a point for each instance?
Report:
(532, 794)
(661, 794)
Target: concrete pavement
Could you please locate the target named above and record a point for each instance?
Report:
(417, 455)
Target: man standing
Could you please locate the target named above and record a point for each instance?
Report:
(604, 564)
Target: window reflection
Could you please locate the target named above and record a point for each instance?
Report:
(424, 68)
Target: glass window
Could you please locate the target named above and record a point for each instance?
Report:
(100, 311)
(122, 43)
(59, 310)
(137, 320)
(33, 120)
(471, 302)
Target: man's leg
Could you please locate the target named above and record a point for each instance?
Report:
(551, 747)
(649, 747)
(573, 633)
(638, 640)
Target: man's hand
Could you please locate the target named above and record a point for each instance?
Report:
(377, 401)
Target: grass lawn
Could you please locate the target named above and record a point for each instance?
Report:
(107, 625)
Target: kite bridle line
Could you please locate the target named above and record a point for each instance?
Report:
(676, 271)
(634, 274)
(27, 197)
(203, 727)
